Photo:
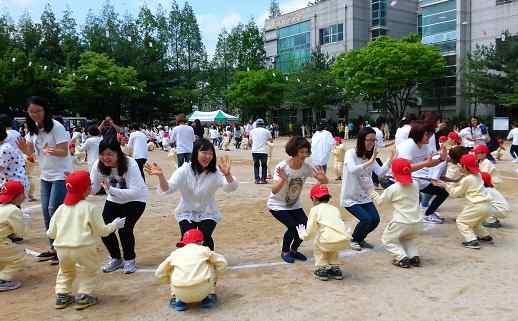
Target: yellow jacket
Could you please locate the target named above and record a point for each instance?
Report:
(325, 219)
(78, 225)
(404, 199)
(10, 221)
(190, 265)
(339, 153)
(487, 166)
(471, 187)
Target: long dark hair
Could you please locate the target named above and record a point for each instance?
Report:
(47, 120)
(203, 145)
(361, 151)
(3, 133)
(122, 160)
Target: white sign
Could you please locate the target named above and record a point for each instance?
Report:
(501, 123)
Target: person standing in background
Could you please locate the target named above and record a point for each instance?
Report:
(109, 129)
(183, 138)
(259, 137)
(137, 145)
(322, 144)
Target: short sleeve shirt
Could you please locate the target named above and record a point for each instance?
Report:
(288, 198)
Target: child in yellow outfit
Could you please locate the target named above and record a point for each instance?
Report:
(401, 232)
(11, 254)
(471, 186)
(191, 271)
(485, 165)
(332, 236)
(75, 228)
(500, 208)
(339, 155)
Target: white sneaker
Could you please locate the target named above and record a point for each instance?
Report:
(433, 218)
(129, 267)
(356, 246)
(112, 265)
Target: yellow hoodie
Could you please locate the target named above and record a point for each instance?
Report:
(471, 187)
(78, 225)
(190, 265)
(325, 219)
(10, 221)
(404, 199)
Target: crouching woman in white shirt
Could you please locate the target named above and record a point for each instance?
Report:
(127, 193)
(198, 182)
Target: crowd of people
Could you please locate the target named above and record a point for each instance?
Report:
(429, 164)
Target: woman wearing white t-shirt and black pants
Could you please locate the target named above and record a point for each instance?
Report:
(197, 182)
(127, 193)
(49, 142)
(284, 201)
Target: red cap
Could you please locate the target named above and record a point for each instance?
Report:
(454, 136)
(469, 161)
(77, 184)
(338, 139)
(318, 191)
(481, 149)
(10, 191)
(443, 139)
(486, 177)
(191, 236)
(402, 171)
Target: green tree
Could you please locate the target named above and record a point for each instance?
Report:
(387, 72)
(71, 44)
(274, 10)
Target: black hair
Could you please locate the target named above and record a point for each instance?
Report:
(457, 152)
(5, 120)
(203, 145)
(3, 132)
(134, 126)
(93, 130)
(380, 121)
(47, 120)
(122, 160)
(324, 199)
(361, 151)
(419, 129)
(295, 144)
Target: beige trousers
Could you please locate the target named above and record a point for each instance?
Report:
(195, 293)
(11, 259)
(81, 263)
(29, 170)
(327, 253)
(400, 239)
(469, 221)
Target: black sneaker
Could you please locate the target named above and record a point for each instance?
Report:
(321, 274)
(366, 245)
(495, 224)
(83, 301)
(54, 260)
(415, 261)
(46, 256)
(286, 257)
(15, 239)
(298, 256)
(334, 272)
(488, 238)
(209, 302)
(403, 263)
(63, 300)
(472, 245)
(9, 285)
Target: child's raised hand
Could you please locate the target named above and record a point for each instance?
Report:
(301, 230)
(153, 169)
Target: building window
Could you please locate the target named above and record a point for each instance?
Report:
(500, 2)
(293, 47)
(378, 12)
(378, 33)
(332, 34)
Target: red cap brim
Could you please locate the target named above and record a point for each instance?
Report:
(7, 198)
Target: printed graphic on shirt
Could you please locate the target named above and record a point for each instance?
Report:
(118, 182)
(294, 190)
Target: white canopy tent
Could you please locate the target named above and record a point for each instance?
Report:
(217, 116)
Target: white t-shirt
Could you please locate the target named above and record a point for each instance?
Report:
(260, 136)
(11, 162)
(472, 136)
(402, 134)
(91, 147)
(12, 137)
(288, 198)
(183, 136)
(322, 143)
(380, 138)
(410, 150)
(52, 167)
(513, 134)
(138, 144)
(213, 133)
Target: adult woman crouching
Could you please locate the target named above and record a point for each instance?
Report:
(197, 182)
(359, 163)
(127, 193)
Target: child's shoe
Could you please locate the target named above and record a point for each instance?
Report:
(487, 238)
(180, 306)
(472, 244)
(321, 273)
(9, 285)
(209, 302)
(334, 272)
(83, 301)
(495, 224)
(63, 300)
(403, 263)
(298, 256)
(415, 261)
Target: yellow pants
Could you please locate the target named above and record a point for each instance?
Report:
(469, 221)
(82, 263)
(339, 169)
(327, 253)
(495, 214)
(399, 239)
(11, 259)
(195, 293)
(29, 169)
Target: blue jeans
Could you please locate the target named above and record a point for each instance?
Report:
(52, 195)
(182, 158)
(368, 217)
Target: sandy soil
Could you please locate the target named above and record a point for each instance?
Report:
(454, 283)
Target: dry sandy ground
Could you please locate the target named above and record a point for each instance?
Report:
(454, 283)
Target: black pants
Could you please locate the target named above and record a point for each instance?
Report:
(205, 226)
(182, 158)
(141, 162)
(260, 160)
(514, 151)
(291, 219)
(440, 196)
(375, 178)
(132, 211)
(238, 142)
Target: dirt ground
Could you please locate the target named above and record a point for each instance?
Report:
(454, 283)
